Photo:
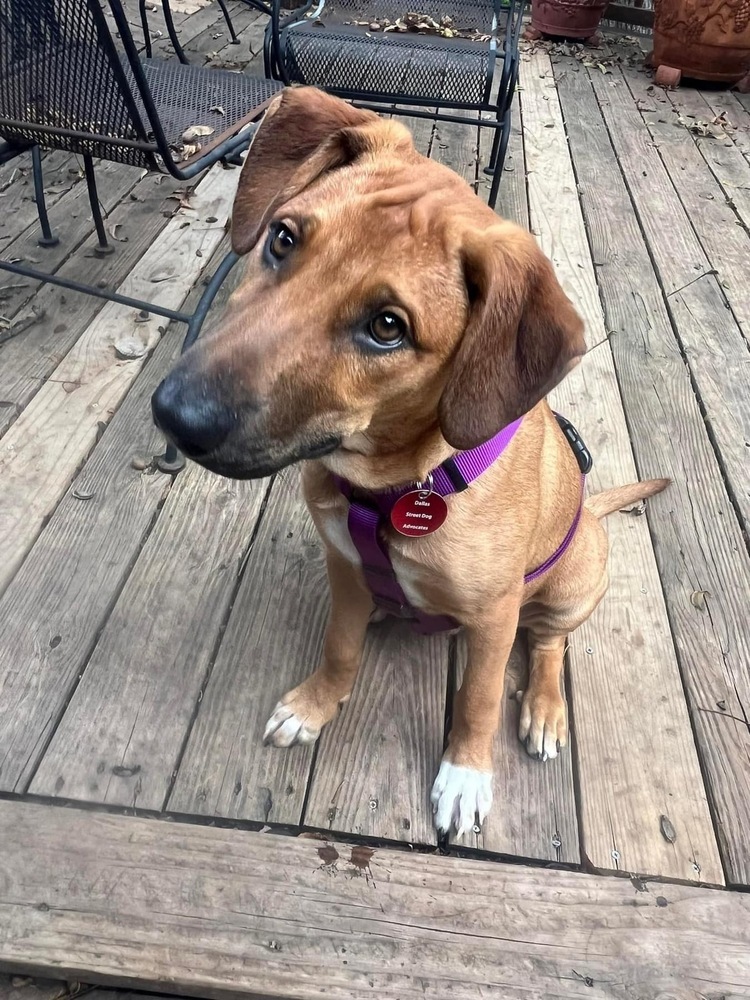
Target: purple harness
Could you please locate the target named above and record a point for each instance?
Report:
(369, 513)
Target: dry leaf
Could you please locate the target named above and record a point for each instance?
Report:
(217, 110)
(129, 348)
(113, 233)
(195, 131)
(698, 599)
(667, 830)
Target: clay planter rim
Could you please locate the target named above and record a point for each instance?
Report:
(568, 19)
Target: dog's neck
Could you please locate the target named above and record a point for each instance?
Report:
(375, 463)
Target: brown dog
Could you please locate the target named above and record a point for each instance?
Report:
(387, 319)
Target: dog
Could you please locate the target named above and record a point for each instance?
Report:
(387, 324)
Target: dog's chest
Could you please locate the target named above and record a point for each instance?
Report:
(334, 529)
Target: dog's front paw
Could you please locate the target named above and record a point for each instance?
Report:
(460, 796)
(543, 727)
(302, 713)
(285, 728)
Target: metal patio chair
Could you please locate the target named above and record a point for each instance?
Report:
(64, 85)
(376, 53)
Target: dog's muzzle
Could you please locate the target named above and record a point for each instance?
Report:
(191, 416)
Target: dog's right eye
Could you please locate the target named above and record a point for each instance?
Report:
(281, 242)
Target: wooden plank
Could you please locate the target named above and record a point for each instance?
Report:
(54, 609)
(120, 900)
(53, 435)
(534, 815)
(724, 101)
(725, 160)
(512, 200)
(61, 173)
(121, 737)
(72, 222)
(699, 545)
(377, 761)
(712, 342)
(716, 212)
(272, 642)
(535, 812)
(55, 319)
(636, 758)
(29, 988)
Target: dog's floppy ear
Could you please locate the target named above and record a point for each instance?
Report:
(304, 134)
(523, 336)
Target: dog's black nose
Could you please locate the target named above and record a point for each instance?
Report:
(188, 413)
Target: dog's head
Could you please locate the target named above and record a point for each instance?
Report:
(381, 302)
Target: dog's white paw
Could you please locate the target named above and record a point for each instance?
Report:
(459, 795)
(284, 728)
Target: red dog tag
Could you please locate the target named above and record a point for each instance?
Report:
(419, 513)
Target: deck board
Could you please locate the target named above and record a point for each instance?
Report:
(121, 737)
(618, 723)
(56, 431)
(699, 546)
(53, 323)
(272, 642)
(714, 346)
(279, 916)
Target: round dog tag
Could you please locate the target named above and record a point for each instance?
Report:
(419, 513)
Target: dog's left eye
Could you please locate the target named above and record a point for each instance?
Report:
(281, 243)
(388, 329)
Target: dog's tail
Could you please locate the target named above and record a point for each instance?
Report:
(602, 504)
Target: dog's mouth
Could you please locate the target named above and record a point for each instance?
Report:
(257, 464)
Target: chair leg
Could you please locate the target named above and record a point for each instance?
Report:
(227, 18)
(172, 460)
(172, 32)
(48, 238)
(502, 136)
(104, 247)
(144, 25)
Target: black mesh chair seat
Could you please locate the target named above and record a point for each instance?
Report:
(187, 95)
(396, 66)
(183, 96)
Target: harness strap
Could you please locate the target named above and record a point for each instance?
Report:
(369, 513)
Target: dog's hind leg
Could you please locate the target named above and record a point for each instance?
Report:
(302, 712)
(543, 727)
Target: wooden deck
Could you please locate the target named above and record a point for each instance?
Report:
(148, 623)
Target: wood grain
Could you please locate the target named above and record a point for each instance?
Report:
(703, 562)
(19, 212)
(120, 739)
(272, 642)
(57, 319)
(120, 900)
(55, 606)
(72, 222)
(714, 346)
(635, 751)
(712, 180)
(56, 431)
(724, 158)
(377, 761)
(724, 101)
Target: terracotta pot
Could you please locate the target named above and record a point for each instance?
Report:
(567, 18)
(704, 39)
